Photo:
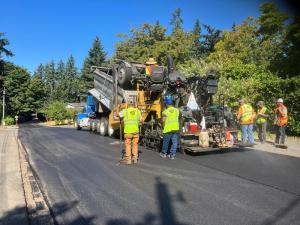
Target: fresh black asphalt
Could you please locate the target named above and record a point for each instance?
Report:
(79, 172)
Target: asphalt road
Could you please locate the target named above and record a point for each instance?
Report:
(85, 186)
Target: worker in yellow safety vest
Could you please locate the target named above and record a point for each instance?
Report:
(170, 129)
(261, 121)
(149, 66)
(281, 120)
(131, 117)
(245, 116)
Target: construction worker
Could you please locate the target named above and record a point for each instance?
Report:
(131, 118)
(281, 120)
(170, 128)
(261, 121)
(149, 66)
(245, 116)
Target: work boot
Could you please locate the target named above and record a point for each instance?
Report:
(171, 156)
(125, 162)
(163, 155)
(135, 161)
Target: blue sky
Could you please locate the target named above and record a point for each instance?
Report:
(44, 30)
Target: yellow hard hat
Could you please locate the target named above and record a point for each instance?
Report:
(151, 61)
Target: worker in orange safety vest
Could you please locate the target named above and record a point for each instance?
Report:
(281, 120)
(149, 66)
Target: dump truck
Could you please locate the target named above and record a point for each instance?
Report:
(204, 125)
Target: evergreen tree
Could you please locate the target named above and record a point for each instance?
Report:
(212, 36)
(61, 82)
(196, 48)
(290, 61)
(40, 72)
(50, 80)
(176, 21)
(96, 57)
(71, 80)
(271, 20)
(3, 51)
(3, 43)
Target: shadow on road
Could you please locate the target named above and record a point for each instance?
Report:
(17, 216)
(166, 214)
(280, 214)
(14, 217)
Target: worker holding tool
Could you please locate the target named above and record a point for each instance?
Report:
(261, 121)
(281, 120)
(131, 118)
(170, 128)
(245, 116)
(149, 66)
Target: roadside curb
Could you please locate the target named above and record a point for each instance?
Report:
(35, 198)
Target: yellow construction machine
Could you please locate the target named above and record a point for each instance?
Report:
(204, 126)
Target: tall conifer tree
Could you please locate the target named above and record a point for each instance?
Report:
(96, 57)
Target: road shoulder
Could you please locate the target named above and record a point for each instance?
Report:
(292, 150)
(13, 205)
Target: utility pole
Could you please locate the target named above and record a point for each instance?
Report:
(3, 107)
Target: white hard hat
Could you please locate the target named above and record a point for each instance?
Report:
(280, 100)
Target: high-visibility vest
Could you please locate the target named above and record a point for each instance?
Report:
(148, 70)
(281, 119)
(261, 119)
(247, 114)
(172, 120)
(131, 118)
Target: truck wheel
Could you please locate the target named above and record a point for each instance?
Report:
(103, 127)
(94, 126)
(110, 131)
(91, 126)
(124, 75)
(76, 125)
(98, 127)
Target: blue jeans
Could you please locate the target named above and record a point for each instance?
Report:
(166, 140)
(247, 129)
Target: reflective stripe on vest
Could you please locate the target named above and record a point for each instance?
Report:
(247, 114)
(171, 122)
(131, 120)
(261, 119)
(281, 120)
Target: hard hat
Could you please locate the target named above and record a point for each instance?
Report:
(168, 100)
(280, 100)
(151, 61)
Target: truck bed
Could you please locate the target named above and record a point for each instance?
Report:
(103, 91)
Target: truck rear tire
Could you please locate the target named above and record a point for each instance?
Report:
(110, 132)
(103, 126)
(98, 127)
(124, 75)
(94, 126)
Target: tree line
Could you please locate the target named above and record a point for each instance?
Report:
(256, 60)
(51, 83)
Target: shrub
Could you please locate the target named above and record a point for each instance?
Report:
(9, 120)
(70, 114)
(56, 111)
